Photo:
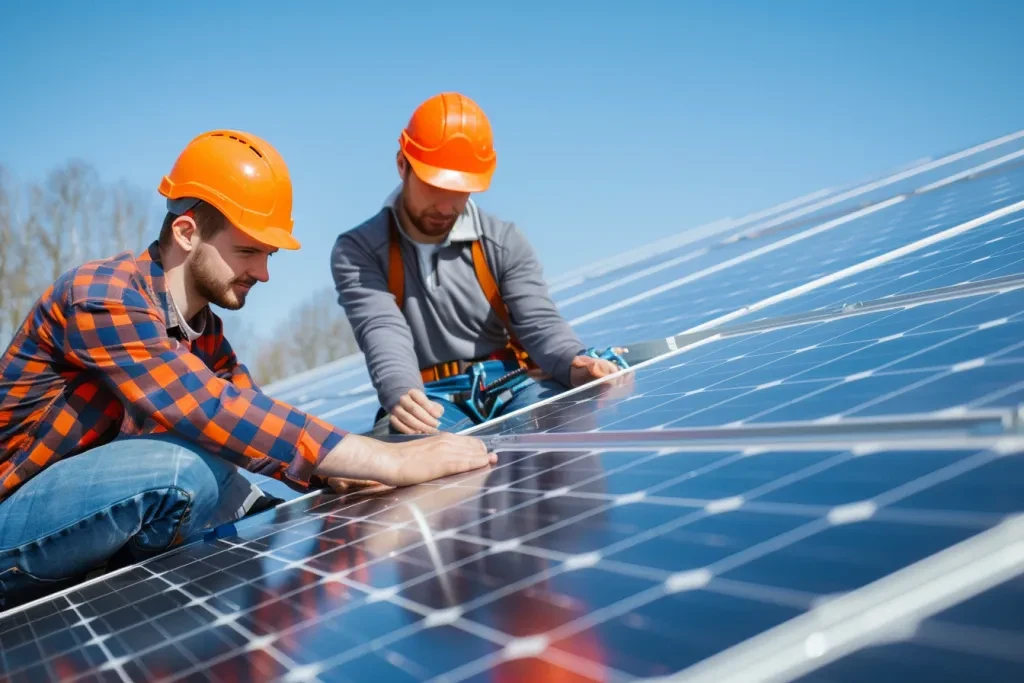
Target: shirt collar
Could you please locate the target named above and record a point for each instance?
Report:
(466, 228)
(153, 272)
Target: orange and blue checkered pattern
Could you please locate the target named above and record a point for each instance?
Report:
(99, 356)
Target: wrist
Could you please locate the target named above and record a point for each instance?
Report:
(358, 457)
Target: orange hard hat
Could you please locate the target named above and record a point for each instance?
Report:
(449, 144)
(241, 175)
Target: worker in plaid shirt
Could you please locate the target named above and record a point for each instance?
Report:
(124, 413)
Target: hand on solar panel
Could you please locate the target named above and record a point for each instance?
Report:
(405, 463)
(416, 414)
(586, 369)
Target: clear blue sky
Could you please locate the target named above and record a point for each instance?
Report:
(616, 123)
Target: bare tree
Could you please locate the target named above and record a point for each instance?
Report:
(17, 258)
(47, 228)
(315, 333)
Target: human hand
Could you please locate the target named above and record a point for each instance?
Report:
(363, 459)
(586, 369)
(416, 414)
(346, 485)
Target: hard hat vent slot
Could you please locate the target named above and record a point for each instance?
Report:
(234, 137)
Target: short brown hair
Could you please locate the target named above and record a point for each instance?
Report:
(209, 221)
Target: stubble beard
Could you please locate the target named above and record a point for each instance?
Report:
(210, 288)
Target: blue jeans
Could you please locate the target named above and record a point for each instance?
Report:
(115, 504)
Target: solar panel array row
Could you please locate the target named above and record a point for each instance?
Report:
(812, 490)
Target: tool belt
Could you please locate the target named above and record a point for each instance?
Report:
(459, 367)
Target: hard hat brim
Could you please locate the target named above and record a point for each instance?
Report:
(446, 179)
(273, 237)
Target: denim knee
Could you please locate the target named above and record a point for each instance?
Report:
(187, 500)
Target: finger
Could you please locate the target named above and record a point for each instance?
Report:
(404, 423)
(434, 409)
(417, 415)
(417, 410)
(467, 464)
(342, 485)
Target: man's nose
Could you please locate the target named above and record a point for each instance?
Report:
(260, 272)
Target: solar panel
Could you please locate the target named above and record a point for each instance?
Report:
(819, 480)
(741, 273)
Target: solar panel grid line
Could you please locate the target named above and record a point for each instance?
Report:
(294, 382)
(884, 281)
(896, 602)
(606, 380)
(392, 596)
(971, 173)
(122, 571)
(955, 257)
(742, 258)
(302, 564)
(940, 371)
(838, 380)
(864, 265)
(348, 407)
(897, 494)
(970, 520)
(220, 618)
(309, 672)
(881, 426)
(1000, 285)
(704, 576)
(909, 173)
(641, 253)
(1000, 164)
(654, 315)
(971, 640)
(636, 275)
(509, 643)
(827, 196)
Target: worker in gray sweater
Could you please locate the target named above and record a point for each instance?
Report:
(448, 303)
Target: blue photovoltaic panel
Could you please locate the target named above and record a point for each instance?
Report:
(994, 250)
(554, 563)
(960, 353)
(713, 513)
(867, 237)
(835, 203)
(724, 291)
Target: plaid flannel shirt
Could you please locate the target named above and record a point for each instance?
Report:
(102, 354)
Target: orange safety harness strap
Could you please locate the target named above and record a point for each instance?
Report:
(396, 285)
(396, 269)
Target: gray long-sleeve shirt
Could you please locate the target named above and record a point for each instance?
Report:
(446, 316)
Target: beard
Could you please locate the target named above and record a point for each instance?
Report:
(430, 222)
(213, 290)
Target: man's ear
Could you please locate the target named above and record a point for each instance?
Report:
(185, 232)
(401, 163)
